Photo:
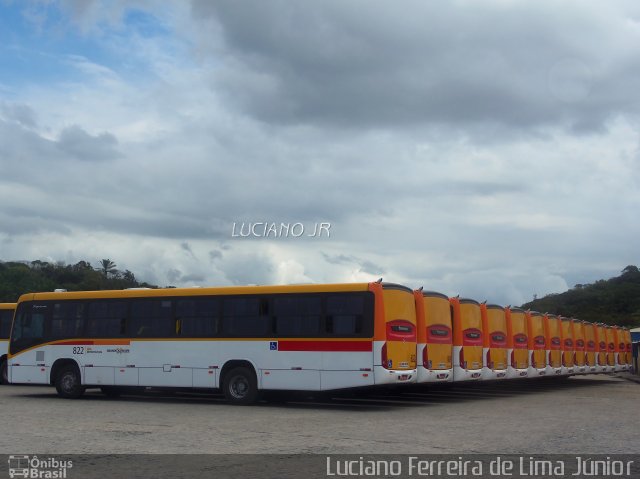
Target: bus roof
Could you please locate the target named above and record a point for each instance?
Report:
(515, 309)
(468, 301)
(434, 294)
(7, 305)
(495, 306)
(396, 286)
(231, 290)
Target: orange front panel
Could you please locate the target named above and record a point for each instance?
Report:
(471, 334)
(553, 339)
(437, 332)
(494, 327)
(627, 339)
(601, 345)
(400, 329)
(611, 345)
(590, 343)
(567, 342)
(517, 339)
(621, 347)
(537, 340)
(578, 342)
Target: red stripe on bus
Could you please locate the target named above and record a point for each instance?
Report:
(341, 346)
(74, 343)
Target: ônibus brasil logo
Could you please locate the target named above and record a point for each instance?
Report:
(36, 468)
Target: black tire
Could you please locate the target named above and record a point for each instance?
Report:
(240, 386)
(111, 391)
(4, 372)
(68, 383)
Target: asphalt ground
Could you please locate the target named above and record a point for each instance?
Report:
(582, 415)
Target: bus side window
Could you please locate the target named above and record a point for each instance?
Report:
(297, 316)
(345, 313)
(246, 317)
(6, 316)
(67, 320)
(152, 318)
(197, 317)
(106, 319)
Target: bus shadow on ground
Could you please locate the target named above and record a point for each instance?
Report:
(368, 399)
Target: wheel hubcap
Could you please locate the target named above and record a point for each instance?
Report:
(239, 387)
(68, 382)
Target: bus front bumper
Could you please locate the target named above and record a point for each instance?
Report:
(394, 376)
(434, 375)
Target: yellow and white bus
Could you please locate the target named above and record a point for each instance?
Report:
(621, 349)
(537, 344)
(239, 339)
(579, 359)
(628, 348)
(611, 348)
(553, 344)
(467, 339)
(517, 343)
(494, 343)
(590, 347)
(6, 317)
(435, 340)
(568, 352)
(602, 348)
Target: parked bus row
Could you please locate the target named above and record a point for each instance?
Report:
(244, 340)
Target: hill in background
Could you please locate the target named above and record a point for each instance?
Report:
(17, 278)
(610, 301)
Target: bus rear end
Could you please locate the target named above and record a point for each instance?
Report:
(590, 346)
(6, 317)
(611, 348)
(567, 346)
(579, 360)
(601, 348)
(435, 339)
(552, 331)
(621, 349)
(537, 344)
(395, 334)
(494, 347)
(628, 348)
(467, 339)
(517, 343)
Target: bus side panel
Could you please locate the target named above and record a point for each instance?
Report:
(30, 367)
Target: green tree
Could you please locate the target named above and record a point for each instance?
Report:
(107, 267)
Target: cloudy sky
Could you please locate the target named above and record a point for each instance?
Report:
(482, 148)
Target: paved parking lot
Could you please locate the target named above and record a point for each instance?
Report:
(585, 415)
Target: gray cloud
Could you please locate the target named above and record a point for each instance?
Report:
(19, 112)
(79, 144)
(364, 265)
(381, 65)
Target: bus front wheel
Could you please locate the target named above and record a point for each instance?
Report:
(240, 386)
(68, 383)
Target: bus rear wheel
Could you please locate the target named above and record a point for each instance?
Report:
(240, 386)
(68, 383)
